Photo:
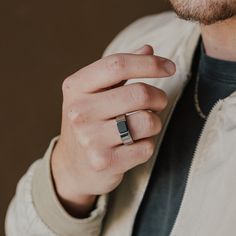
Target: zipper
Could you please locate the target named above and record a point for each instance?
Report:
(194, 160)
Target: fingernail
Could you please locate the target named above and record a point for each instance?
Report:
(169, 67)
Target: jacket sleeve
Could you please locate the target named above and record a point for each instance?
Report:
(35, 209)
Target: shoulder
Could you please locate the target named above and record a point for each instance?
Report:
(151, 29)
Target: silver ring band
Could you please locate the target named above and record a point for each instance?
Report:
(123, 129)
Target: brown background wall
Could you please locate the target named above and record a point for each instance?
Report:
(42, 42)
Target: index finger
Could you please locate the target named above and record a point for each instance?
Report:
(113, 69)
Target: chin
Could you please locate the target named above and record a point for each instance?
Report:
(205, 12)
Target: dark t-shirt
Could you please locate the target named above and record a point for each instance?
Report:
(161, 202)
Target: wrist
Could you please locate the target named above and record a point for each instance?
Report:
(76, 204)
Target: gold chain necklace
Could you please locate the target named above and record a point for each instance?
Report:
(196, 100)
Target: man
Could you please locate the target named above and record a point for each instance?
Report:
(129, 160)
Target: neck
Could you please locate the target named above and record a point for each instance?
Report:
(220, 39)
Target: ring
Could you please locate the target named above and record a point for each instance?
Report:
(123, 129)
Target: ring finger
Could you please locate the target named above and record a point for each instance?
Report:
(142, 124)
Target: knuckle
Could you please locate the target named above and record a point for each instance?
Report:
(98, 161)
(66, 85)
(77, 113)
(81, 117)
(70, 82)
(116, 63)
(71, 114)
(140, 94)
(85, 138)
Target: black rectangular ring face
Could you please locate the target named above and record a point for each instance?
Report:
(122, 127)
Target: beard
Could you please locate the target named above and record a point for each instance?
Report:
(206, 12)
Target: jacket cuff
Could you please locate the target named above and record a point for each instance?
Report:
(52, 212)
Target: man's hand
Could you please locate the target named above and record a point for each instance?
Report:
(89, 158)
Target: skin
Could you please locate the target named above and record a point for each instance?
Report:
(220, 39)
(89, 159)
(217, 20)
(206, 12)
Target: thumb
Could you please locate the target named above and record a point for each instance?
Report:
(146, 49)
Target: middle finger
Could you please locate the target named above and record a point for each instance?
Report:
(127, 99)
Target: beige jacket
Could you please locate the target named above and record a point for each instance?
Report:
(209, 203)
